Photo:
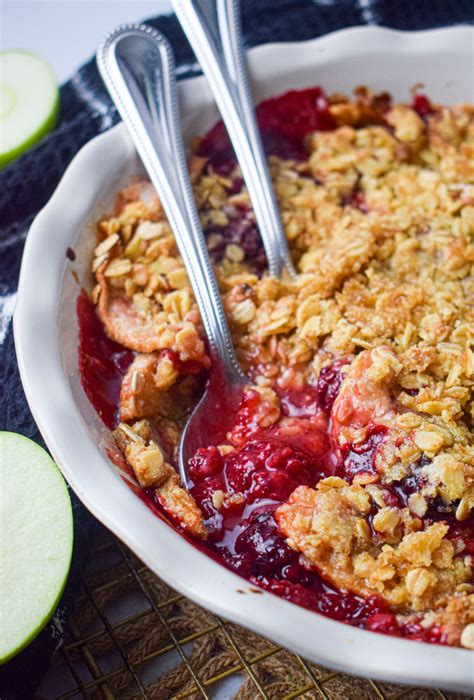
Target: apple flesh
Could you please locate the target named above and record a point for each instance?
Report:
(36, 539)
(29, 100)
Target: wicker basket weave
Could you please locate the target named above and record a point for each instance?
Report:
(132, 636)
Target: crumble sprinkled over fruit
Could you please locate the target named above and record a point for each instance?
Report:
(346, 484)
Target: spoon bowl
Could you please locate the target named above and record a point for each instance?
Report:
(212, 417)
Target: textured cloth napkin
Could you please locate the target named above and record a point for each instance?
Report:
(85, 111)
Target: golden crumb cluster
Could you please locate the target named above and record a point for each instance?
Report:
(380, 223)
(410, 568)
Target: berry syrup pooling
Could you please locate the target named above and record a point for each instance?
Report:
(239, 490)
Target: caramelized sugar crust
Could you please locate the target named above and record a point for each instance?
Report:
(380, 222)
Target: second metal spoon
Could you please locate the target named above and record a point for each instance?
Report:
(213, 30)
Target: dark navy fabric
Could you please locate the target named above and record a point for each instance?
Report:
(85, 111)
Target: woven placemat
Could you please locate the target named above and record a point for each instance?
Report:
(132, 636)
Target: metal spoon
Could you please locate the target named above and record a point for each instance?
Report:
(137, 67)
(213, 30)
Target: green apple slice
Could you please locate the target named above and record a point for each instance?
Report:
(36, 537)
(29, 100)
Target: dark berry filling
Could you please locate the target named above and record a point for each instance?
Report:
(357, 200)
(387, 623)
(102, 362)
(329, 383)
(358, 459)
(422, 105)
(284, 122)
(242, 231)
(256, 478)
(463, 534)
(239, 492)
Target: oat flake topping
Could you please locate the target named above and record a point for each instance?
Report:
(379, 216)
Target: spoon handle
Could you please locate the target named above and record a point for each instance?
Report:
(136, 64)
(213, 30)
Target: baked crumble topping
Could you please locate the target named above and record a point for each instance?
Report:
(350, 469)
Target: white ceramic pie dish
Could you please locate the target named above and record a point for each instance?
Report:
(46, 342)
